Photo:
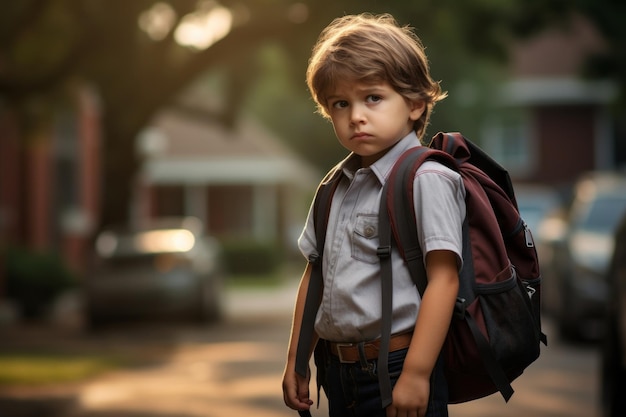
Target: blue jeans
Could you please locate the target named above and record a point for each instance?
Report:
(353, 391)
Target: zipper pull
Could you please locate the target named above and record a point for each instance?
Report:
(529, 290)
(530, 242)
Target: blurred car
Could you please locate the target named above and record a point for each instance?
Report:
(613, 370)
(580, 243)
(535, 203)
(167, 268)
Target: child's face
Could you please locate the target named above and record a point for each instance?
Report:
(370, 118)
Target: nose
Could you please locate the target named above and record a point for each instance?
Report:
(357, 114)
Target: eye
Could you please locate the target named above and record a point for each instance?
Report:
(340, 104)
(374, 98)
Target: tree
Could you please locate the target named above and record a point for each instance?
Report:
(49, 43)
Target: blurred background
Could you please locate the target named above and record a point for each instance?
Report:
(158, 158)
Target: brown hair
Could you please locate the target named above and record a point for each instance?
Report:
(372, 48)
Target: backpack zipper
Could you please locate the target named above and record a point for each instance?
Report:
(521, 224)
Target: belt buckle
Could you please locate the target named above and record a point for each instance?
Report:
(340, 354)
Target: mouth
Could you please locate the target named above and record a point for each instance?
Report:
(360, 135)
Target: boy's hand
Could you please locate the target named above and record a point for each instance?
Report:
(296, 390)
(410, 397)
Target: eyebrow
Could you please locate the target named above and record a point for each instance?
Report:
(332, 97)
(367, 88)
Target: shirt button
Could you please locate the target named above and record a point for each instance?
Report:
(369, 231)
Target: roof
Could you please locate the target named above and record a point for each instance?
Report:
(559, 51)
(547, 68)
(184, 147)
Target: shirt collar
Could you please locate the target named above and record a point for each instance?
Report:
(382, 167)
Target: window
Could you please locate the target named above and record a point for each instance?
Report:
(509, 140)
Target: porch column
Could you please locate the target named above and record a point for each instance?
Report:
(196, 200)
(265, 212)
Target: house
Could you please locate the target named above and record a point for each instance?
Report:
(50, 180)
(552, 124)
(243, 183)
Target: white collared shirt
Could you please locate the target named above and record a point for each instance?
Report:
(350, 310)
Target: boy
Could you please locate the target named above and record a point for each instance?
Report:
(370, 77)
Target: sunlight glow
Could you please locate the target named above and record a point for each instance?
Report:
(158, 21)
(149, 242)
(201, 29)
(158, 241)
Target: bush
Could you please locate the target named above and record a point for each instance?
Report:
(250, 258)
(35, 279)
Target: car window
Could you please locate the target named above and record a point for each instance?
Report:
(604, 214)
(533, 214)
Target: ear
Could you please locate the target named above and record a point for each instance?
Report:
(417, 108)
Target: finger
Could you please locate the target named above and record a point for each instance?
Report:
(291, 397)
(303, 392)
(296, 404)
(290, 400)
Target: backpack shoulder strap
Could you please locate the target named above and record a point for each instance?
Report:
(321, 210)
(321, 206)
(399, 200)
(393, 218)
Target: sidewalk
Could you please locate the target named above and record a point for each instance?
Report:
(264, 301)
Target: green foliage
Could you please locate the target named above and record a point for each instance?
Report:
(40, 369)
(249, 257)
(281, 101)
(35, 279)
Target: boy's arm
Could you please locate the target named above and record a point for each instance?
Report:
(295, 387)
(413, 387)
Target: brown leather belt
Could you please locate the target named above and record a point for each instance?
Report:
(349, 352)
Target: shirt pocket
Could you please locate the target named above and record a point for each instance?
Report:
(365, 238)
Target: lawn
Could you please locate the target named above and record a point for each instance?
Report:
(45, 368)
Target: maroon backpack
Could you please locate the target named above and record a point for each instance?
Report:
(496, 331)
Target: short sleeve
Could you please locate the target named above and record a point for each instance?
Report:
(439, 198)
(307, 242)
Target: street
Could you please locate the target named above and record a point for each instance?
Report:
(234, 368)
